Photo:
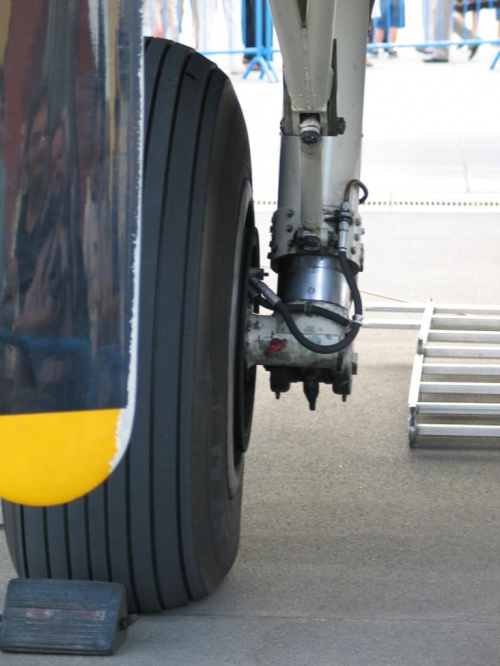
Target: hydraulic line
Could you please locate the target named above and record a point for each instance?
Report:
(303, 308)
(351, 282)
(310, 309)
(265, 297)
(308, 344)
(271, 301)
(357, 183)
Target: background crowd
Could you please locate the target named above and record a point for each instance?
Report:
(164, 18)
(442, 21)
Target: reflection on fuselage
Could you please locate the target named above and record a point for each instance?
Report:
(70, 205)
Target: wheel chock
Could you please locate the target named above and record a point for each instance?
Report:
(64, 617)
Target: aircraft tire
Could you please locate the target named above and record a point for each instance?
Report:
(166, 524)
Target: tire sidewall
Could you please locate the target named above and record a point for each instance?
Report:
(216, 501)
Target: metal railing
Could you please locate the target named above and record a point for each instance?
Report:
(444, 23)
(243, 30)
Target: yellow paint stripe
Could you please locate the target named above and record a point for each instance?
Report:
(48, 459)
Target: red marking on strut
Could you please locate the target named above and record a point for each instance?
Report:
(275, 346)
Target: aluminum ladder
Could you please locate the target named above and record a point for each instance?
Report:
(469, 339)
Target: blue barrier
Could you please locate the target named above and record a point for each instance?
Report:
(263, 43)
(441, 19)
(258, 56)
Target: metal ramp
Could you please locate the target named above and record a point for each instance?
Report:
(455, 386)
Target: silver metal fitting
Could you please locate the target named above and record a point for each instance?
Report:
(343, 232)
(263, 289)
(310, 130)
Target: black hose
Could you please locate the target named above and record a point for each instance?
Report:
(346, 270)
(259, 300)
(307, 308)
(310, 309)
(357, 183)
(308, 344)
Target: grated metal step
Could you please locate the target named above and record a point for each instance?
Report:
(444, 430)
(459, 408)
(481, 337)
(460, 369)
(464, 388)
(435, 351)
(464, 332)
(466, 322)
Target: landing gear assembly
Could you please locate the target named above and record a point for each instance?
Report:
(166, 524)
(316, 243)
(314, 295)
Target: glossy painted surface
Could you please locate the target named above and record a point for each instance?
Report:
(70, 137)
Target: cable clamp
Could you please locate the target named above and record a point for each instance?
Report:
(308, 308)
(357, 319)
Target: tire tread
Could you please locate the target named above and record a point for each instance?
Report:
(137, 528)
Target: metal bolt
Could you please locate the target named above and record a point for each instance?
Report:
(289, 228)
(357, 237)
(353, 250)
(362, 232)
(290, 213)
(309, 138)
(310, 130)
(358, 223)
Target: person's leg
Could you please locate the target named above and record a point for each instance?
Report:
(204, 23)
(460, 27)
(232, 12)
(383, 23)
(475, 21)
(151, 18)
(249, 24)
(380, 35)
(396, 18)
(426, 26)
(158, 19)
(393, 35)
(174, 9)
(439, 29)
(427, 19)
(250, 34)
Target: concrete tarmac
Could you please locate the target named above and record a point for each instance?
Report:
(356, 550)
